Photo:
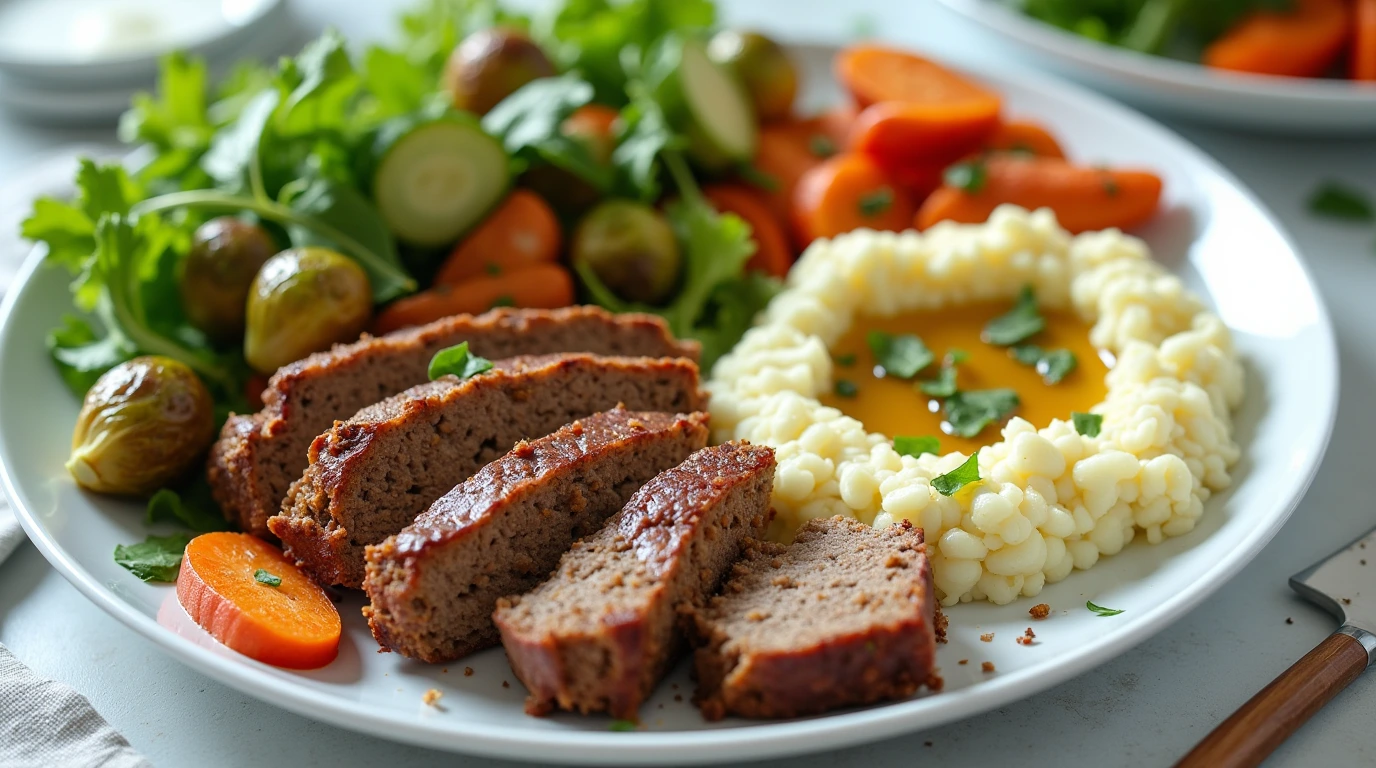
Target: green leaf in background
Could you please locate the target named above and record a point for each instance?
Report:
(970, 412)
(916, 445)
(1020, 323)
(730, 312)
(396, 85)
(156, 558)
(901, 355)
(1087, 424)
(456, 361)
(82, 356)
(1340, 201)
(432, 28)
(193, 507)
(963, 475)
(529, 123)
(175, 121)
(234, 150)
(645, 134)
(344, 210)
(321, 84)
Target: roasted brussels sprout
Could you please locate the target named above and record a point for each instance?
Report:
(225, 255)
(490, 65)
(762, 66)
(143, 424)
(631, 248)
(302, 301)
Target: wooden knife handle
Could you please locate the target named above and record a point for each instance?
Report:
(1255, 730)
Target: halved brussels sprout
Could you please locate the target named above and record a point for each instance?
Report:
(302, 301)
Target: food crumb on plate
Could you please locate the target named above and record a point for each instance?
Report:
(1027, 637)
(963, 662)
(987, 637)
(1039, 611)
(678, 697)
(940, 625)
(987, 666)
(1289, 620)
(467, 671)
(432, 696)
(506, 684)
(926, 743)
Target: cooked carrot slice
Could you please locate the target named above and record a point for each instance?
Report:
(539, 286)
(873, 74)
(773, 255)
(902, 135)
(1362, 64)
(787, 149)
(849, 192)
(1301, 42)
(1082, 198)
(249, 596)
(1024, 136)
(521, 232)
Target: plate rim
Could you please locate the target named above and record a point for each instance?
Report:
(1158, 70)
(755, 741)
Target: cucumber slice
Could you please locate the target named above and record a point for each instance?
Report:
(710, 103)
(436, 179)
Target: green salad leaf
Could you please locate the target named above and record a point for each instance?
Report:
(1087, 424)
(156, 558)
(963, 475)
(529, 123)
(1340, 201)
(1099, 610)
(457, 361)
(193, 508)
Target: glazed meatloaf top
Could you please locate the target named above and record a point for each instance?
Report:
(368, 477)
(259, 455)
(842, 616)
(601, 632)
(434, 585)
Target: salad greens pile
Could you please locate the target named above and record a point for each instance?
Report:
(294, 147)
(1178, 28)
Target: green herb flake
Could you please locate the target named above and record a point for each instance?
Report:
(821, 145)
(1336, 200)
(916, 445)
(492, 269)
(622, 725)
(846, 388)
(157, 558)
(968, 413)
(267, 579)
(969, 176)
(901, 355)
(1020, 323)
(963, 475)
(1057, 364)
(846, 360)
(1027, 354)
(876, 202)
(944, 385)
(456, 361)
(955, 356)
(1111, 186)
(503, 301)
(1087, 424)
(1099, 610)
(758, 178)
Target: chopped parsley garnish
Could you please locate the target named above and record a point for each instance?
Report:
(1053, 364)
(1027, 354)
(969, 413)
(622, 725)
(1020, 323)
(958, 478)
(969, 176)
(916, 445)
(1339, 201)
(846, 388)
(1100, 610)
(944, 385)
(901, 355)
(955, 356)
(1110, 186)
(455, 360)
(157, 558)
(503, 301)
(492, 269)
(846, 360)
(821, 145)
(1087, 424)
(758, 178)
(876, 202)
(267, 579)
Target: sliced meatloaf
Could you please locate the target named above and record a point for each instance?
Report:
(842, 616)
(434, 585)
(258, 455)
(601, 632)
(369, 477)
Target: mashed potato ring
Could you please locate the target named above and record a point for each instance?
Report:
(1051, 500)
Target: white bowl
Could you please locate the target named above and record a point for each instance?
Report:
(1264, 103)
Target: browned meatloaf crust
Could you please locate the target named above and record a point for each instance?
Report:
(601, 632)
(433, 586)
(370, 476)
(842, 616)
(258, 455)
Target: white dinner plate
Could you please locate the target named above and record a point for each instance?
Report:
(1212, 231)
(1249, 102)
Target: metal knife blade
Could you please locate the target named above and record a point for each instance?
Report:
(1344, 584)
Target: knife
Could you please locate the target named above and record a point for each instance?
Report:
(1344, 584)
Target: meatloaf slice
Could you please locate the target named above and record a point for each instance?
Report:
(258, 455)
(601, 632)
(434, 585)
(842, 616)
(369, 477)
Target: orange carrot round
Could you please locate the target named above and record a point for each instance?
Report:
(539, 286)
(1301, 42)
(784, 153)
(835, 123)
(773, 256)
(874, 73)
(226, 585)
(904, 135)
(522, 231)
(1362, 59)
(1024, 136)
(848, 192)
(1082, 198)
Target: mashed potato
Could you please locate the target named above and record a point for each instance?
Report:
(1050, 499)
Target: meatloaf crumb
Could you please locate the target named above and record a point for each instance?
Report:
(808, 655)
(370, 476)
(600, 633)
(433, 586)
(259, 455)
(1039, 611)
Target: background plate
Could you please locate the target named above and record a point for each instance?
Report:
(1212, 231)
